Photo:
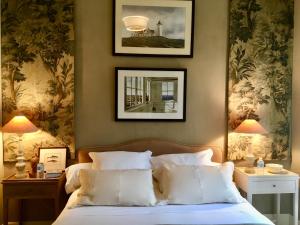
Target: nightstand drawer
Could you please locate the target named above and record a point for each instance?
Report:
(272, 186)
(31, 191)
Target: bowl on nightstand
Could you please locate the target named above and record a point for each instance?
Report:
(274, 168)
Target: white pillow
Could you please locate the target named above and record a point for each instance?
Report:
(116, 187)
(184, 159)
(200, 184)
(188, 159)
(72, 176)
(121, 160)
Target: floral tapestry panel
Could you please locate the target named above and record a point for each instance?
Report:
(37, 63)
(260, 76)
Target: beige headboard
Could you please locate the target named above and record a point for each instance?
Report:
(158, 147)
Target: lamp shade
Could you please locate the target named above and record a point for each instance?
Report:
(19, 125)
(250, 126)
(135, 23)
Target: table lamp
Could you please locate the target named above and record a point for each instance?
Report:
(20, 125)
(250, 126)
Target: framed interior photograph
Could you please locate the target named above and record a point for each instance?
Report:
(148, 94)
(54, 159)
(153, 27)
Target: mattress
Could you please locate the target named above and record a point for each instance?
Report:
(205, 214)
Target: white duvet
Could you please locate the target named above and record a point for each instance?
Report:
(242, 213)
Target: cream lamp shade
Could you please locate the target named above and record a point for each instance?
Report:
(135, 23)
(250, 126)
(19, 125)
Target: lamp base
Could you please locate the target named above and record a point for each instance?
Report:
(250, 158)
(21, 176)
(20, 165)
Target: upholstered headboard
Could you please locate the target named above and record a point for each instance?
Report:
(158, 147)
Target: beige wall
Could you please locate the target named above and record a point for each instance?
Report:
(95, 79)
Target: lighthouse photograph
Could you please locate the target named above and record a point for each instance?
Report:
(154, 27)
(165, 27)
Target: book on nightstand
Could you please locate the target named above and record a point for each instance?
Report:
(53, 174)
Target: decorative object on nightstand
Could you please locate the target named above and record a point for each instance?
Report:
(275, 168)
(33, 163)
(269, 183)
(250, 127)
(54, 159)
(20, 125)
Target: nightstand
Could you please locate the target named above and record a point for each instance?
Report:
(33, 188)
(268, 183)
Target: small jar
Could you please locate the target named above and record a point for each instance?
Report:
(40, 170)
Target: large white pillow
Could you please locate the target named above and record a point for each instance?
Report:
(121, 160)
(72, 176)
(199, 184)
(187, 159)
(116, 187)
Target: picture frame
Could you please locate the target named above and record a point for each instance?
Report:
(53, 158)
(146, 28)
(150, 94)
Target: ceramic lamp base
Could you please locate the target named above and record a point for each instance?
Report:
(20, 165)
(250, 158)
(21, 176)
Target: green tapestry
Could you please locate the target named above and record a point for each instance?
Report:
(260, 76)
(37, 63)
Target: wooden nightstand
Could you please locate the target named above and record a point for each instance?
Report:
(268, 183)
(33, 188)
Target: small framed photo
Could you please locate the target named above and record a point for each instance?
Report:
(54, 159)
(153, 27)
(150, 94)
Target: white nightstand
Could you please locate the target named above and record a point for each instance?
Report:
(267, 183)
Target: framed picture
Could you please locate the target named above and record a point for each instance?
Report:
(54, 159)
(147, 94)
(153, 27)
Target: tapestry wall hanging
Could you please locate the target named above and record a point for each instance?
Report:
(37, 63)
(260, 76)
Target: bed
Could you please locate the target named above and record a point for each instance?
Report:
(215, 213)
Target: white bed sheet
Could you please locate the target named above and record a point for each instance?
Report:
(243, 213)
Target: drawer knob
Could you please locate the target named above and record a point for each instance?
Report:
(274, 185)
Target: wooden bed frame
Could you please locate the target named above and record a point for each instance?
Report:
(158, 147)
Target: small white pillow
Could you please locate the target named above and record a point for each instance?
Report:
(72, 176)
(121, 160)
(200, 184)
(183, 159)
(116, 187)
(187, 159)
